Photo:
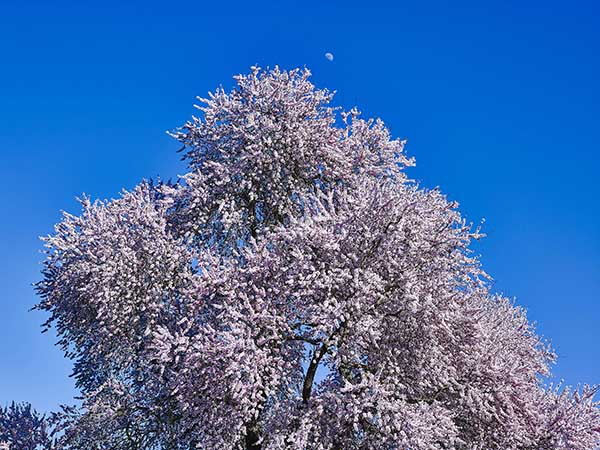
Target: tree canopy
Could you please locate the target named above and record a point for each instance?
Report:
(23, 428)
(295, 290)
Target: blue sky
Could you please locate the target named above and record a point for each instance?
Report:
(499, 101)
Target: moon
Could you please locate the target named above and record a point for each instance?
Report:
(329, 56)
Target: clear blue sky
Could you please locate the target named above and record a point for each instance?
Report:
(499, 101)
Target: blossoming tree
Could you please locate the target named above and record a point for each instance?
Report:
(23, 428)
(295, 291)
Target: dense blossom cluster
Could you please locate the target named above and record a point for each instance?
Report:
(256, 149)
(296, 291)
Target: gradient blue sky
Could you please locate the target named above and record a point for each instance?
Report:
(499, 101)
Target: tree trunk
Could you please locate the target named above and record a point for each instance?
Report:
(251, 440)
